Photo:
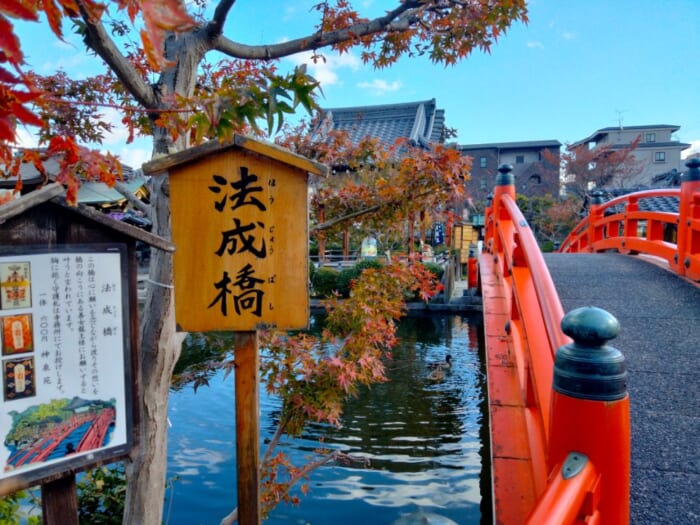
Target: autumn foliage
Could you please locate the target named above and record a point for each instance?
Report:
(378, 187)
(233, 95)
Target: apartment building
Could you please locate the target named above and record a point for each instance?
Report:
(535, 167)
(657, 152)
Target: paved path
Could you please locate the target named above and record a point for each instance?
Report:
(659, 315)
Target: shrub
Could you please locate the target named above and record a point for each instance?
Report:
(325, 281)
(350, 274)
(436, 269)
(547, 246)
(101, 493)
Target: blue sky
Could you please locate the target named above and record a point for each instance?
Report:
(577, 66)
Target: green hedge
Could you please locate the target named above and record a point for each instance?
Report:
(436, 269)
(325, 281)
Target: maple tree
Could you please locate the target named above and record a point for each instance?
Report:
(550, 217)
(379, 187)
(193, 100)
(602, 166)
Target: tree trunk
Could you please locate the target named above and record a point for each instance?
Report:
(160, 342)
(160, 349)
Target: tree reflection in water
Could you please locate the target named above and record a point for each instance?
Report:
(422, 440)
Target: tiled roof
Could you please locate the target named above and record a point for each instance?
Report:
(657, 204)
(420, 122)
(90, 191)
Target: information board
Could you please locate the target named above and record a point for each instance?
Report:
(65, 361)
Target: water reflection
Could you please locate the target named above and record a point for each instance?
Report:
(420, 440)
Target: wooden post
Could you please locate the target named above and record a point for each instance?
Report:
(247, 427)
(411, 232)
(59, 501)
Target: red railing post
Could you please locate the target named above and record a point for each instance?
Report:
(595, 229)
(631, 225)
(590, 407)
(488, 224)
(472, 267)
(505, 185)
(690, 184)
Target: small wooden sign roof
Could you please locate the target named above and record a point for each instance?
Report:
(55, 193)
(267, 149)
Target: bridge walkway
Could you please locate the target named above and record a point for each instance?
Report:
(659, 315)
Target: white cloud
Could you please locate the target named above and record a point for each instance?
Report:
(380, 87)
(119, 133)
(25, 139)
(568, 35)
(692, 150)
(535, 45)
(327, 69)
(289, 13)
(133, 155)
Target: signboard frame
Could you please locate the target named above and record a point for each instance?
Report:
(121, 428)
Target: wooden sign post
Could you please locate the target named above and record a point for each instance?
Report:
(240, 225)
(247, 426)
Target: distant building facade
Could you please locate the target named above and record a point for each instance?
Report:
(536, 171)
(658, 153)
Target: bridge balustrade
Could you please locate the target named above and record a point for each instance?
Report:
(663, 223)
(574, 464)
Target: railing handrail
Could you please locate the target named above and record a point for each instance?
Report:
(535, 310)
(673, 237)
(584, 224)
(548, 298)
(537, 372)
(567, 493)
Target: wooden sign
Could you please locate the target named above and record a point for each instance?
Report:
(65, 400)
(239, 216)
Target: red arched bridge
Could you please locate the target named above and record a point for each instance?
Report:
(585, 429)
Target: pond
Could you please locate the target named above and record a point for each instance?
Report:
(422, 442)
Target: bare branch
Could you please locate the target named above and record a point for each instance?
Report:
(124, 190)
(329, 224)
(400, 19)
(98, 39)
(215, 27)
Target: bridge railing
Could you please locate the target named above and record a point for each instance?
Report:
(564, 419)
(662, 223)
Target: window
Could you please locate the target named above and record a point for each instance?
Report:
(535, 179)
(519, 159)
(650, 137)
(482, 162)
(660, 156)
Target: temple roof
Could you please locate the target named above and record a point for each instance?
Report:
(419, 122)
